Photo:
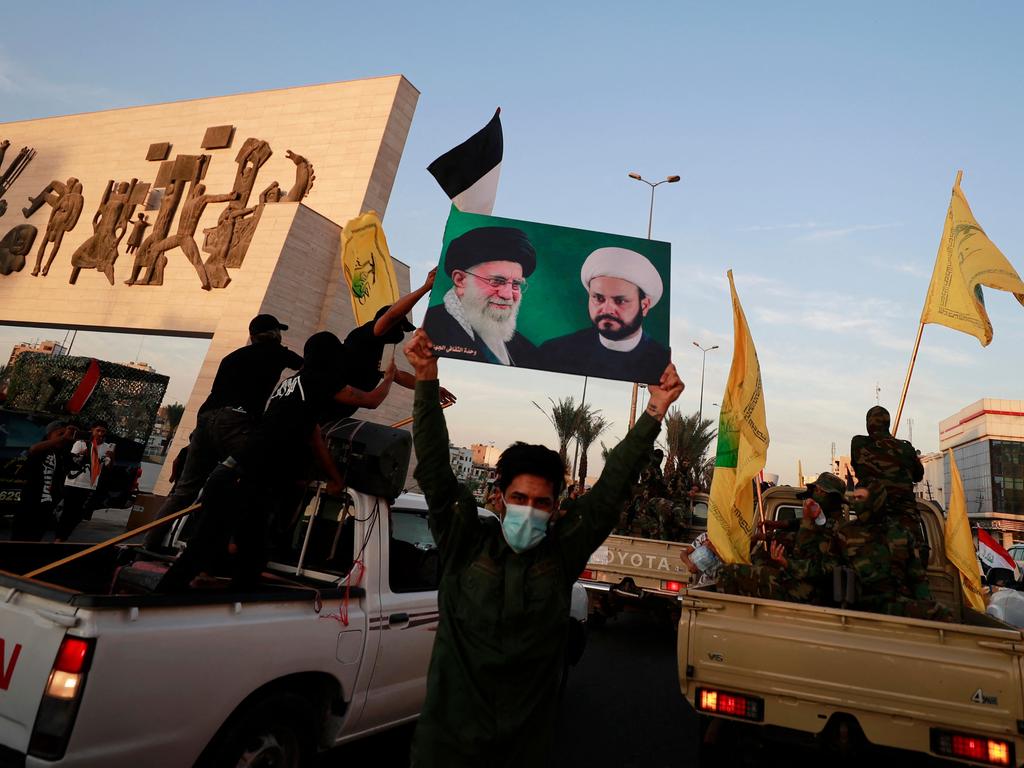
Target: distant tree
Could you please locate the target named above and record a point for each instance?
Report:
(565, 418)
(174, 413)
(688, 439)
(591, 426)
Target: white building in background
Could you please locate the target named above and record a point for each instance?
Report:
(933, 484)
(987, 438)
(44, 347)
(461, 460)
(486, 453)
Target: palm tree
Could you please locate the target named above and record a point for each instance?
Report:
(688, 438)
(591, 426)
(565, 418)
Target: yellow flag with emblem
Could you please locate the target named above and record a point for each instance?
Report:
(742, 446)
(959, 544)
(366, 262)
(966, 261)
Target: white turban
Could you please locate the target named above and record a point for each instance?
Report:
(626, 265)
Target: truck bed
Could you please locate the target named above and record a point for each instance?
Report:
(900, 678)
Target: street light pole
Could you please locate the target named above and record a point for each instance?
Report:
(704, 356)
(650, 223)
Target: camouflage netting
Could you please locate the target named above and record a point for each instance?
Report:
(126, 398)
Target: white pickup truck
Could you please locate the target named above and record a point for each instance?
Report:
(327, 653)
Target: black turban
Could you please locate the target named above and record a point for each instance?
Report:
(490, 244)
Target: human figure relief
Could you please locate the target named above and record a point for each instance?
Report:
(100, 250)
(66, 200)
(191, 212)
(139, 227)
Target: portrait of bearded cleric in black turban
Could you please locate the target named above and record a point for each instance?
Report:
(488, 268)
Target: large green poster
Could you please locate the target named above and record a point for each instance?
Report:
(512, 292)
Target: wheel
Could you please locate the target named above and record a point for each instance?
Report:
(276, 731)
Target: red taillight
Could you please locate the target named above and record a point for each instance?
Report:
(979, 749)
(730, 704)
(587, 574)
(71, 656)
(55, 717)
(671, 586)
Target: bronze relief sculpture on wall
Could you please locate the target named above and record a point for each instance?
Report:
(178, 185)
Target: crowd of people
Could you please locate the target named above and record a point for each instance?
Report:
(64, 480)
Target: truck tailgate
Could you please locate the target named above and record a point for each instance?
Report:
(894, 674)
(31, 630)
(647, 562)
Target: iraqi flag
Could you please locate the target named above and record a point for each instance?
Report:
(469, 173)
(992, 554)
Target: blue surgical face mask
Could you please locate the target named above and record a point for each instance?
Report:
(523, 526)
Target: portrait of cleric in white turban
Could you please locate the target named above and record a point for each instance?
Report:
(532, 295)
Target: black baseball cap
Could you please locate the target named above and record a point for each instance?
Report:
(264, 323)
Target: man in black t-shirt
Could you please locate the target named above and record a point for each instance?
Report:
(46, 466)
(245, 492)
(364, 350)
(244, 380)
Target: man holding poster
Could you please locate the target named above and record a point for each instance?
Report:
(506, 581)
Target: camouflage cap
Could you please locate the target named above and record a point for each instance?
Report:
(828, 483)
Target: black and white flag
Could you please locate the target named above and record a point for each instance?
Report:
(469, 173)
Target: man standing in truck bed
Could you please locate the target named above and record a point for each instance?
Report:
(879, 458)
(506, 582)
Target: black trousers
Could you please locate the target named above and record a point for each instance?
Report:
(218, 434)
(239, 510)
(77, 502)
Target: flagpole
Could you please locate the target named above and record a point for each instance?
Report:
(760, 499)
(906, 382)
(917, 342)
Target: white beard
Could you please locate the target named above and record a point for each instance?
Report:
(494, 326)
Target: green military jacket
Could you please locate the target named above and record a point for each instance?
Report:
(500, 646)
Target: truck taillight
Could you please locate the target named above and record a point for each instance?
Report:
(59, 706)
(730, 704)
(671, 586)
(587, 574)
(978, 749)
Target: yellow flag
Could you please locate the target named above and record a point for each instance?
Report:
(959, 544)
(366, 262)
(967, 260)
(742, 446)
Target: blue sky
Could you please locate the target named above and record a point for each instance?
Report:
(817, 145)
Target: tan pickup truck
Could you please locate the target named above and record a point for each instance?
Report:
(757, 669)
(630, 569)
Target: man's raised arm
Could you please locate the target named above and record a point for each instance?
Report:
(448, 506)
(595, 514)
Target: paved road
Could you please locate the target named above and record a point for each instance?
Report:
(622, 706)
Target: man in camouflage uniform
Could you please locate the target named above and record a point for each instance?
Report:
(866, 545)
(879, 458)
(805, 574)
(638, 519)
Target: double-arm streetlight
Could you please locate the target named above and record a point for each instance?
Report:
(650, 221)
(704, 356)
